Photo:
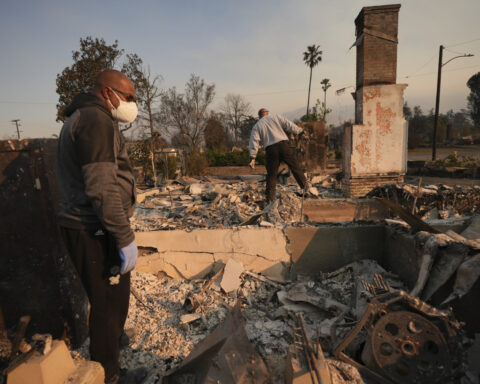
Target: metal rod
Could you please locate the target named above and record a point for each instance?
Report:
(306, 350)
(309, 350)
(301, 208)
(416, 196)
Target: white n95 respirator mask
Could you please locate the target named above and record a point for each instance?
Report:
(126, 112)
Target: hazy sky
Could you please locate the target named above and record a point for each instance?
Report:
(253, 48)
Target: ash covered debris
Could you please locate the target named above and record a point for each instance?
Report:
(213, 203)
(331, 303)
(219, 203)
(406, 339)
(432, 201)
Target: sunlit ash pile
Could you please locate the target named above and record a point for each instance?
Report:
(356, 324)
(169, 318)
(166, 326)
(213, 203)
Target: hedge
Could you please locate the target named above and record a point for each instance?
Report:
(222, 159)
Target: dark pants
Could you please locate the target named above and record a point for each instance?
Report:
(281, 152)
(93, 255)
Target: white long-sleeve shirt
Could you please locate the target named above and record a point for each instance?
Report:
(270, 130)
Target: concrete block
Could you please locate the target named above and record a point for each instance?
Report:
(178, 265)
(183, 254)
(231, 276)
(87, 372)
(268, 243)
(328, 248)
(53, 368)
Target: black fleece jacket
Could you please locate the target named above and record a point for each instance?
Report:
(93, 171)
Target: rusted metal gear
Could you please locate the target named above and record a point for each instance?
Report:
(407, 348)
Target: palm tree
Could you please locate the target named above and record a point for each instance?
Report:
(312, 56)
(325, 85)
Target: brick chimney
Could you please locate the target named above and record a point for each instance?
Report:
(376, 31)
(375, 147)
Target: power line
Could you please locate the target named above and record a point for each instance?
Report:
(455, 52)
(450, 70)
(414, 74)
(459, 69)
(462, 43)
(276, 92)
(24, 102)
(423, 66)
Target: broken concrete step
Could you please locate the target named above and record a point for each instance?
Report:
(53, 368)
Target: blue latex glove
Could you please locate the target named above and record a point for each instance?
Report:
(128, 255)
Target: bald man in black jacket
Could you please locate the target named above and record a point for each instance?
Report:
(97, 183)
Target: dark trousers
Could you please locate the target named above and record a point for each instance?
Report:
(93, 253)
(281, 152)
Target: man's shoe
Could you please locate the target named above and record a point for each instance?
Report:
(262, 204)
(307, 189)
(125, 338)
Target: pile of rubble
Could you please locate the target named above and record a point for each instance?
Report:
(454, 160)
(432, 201)
(171, 318)
(212, 203)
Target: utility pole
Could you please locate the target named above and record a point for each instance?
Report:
(437, 100)
(325, 85)
(437, 103)
(18, 130)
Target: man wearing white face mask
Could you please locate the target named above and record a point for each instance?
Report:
(97, 183)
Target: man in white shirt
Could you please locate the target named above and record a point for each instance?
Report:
(270, 131)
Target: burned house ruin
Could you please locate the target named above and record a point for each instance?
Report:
(313, 288)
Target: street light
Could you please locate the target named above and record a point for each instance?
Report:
(16, 121)
(340, 91)
(437, 101)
